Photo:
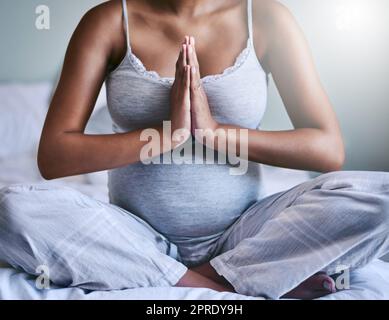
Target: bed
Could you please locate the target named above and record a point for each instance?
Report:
(23, 108)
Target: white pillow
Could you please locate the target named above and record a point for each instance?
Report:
(23, 109)
(22, 112)
(100, 122)
(101, 101)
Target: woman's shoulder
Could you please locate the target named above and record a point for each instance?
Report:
(104, 14)
(267, 12)
(101, 30)
(271, 17)
(272, 20)
(105, 20)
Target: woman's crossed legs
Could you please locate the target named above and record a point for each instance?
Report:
(336, 221)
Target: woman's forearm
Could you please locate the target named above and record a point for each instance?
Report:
(304, 149)
(76, 153)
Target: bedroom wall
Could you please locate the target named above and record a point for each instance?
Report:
(29, 54)
(350, 44)
(348, 40)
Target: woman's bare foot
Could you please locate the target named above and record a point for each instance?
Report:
(193, 279)
(314, 287)
(208, 271)
(317, 286)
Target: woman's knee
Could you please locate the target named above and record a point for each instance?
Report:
(381, 215)
(12, 210)
(371, 213)
(23, 208)
(17, 226)
(363, 181)
(360, 198)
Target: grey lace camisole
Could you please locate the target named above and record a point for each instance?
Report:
(187, 203)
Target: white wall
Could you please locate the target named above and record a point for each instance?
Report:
(350, 44)
(28, 54)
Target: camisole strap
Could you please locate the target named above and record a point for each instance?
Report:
(125, 22)
(250, 20)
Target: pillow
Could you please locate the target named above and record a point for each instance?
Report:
(274, 179)
(101, 101)
(100, 122)
(22, 112)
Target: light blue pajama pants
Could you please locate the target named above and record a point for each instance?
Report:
(337, 219)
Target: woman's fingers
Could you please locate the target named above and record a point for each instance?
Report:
(187, 67)
(186, 78)
(184, 57)
(182, 60)
(195, 83)
(192, 61)
(179, 63)
(193, 58)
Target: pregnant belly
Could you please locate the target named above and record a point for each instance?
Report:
(184, 200)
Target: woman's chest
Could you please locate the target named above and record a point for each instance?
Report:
(220, 38)
(138, 98)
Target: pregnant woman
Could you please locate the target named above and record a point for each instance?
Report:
(202, 65)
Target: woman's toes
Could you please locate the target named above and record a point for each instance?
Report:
(324, 282)
(329, 285)
(314, 287)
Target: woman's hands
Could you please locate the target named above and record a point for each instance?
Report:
(189, 104)
(180, 101)
(200, 112)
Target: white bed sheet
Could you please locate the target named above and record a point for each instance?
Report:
(369, 283)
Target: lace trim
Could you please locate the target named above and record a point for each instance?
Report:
(141, 69)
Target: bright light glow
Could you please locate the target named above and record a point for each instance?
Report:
(354, 15)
